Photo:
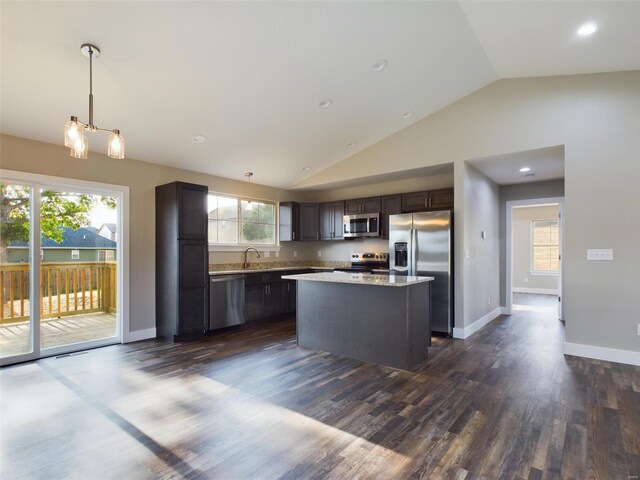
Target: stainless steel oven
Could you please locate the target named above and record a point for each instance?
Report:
(362, 225)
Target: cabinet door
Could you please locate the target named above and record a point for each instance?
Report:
(192, 205)
(352, 207)
(338, 220)
(254, 302)
(194, 264)
(391, 205)
(288, 222)
(309, 221)
(192, 310)
(441, 199)
(415, 202)
(326, 221)
(290, 297)
(275, 299)
(371, 205)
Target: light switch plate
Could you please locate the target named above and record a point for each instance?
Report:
(605, 254)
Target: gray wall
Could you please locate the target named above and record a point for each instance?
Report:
(477, 278)
(521, 191)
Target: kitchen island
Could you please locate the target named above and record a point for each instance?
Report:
(373, 318)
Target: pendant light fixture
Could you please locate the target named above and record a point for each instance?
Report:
(249, 206)
(74, 130)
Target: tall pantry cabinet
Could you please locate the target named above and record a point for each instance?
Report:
(181, 260)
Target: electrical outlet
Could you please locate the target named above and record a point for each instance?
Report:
(467, 253)
(295, 253)
(526, 279)
(638, 330)
(489, 300)
(277, 253)
(319, 253)
(267, 254)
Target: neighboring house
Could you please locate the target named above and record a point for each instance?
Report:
(81, 245)
(108, 230)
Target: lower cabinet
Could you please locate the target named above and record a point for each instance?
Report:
(267, 295)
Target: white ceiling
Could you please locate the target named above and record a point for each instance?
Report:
(249, 75)
(545, 164)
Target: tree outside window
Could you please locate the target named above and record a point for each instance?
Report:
(545, 246)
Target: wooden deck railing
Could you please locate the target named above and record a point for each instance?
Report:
(66, 288)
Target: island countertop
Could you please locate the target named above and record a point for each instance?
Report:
(360, 278)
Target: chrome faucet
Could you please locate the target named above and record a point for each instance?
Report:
(245, 265)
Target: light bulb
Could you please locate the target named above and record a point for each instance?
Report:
(80, 147)
(116, 145)
(72, 131)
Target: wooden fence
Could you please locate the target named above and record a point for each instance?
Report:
(68, 288)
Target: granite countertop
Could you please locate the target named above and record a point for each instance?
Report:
(266, 269)
(360, 278)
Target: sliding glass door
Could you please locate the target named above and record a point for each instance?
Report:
(59, 288)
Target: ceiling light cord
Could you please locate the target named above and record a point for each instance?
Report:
(92, 127)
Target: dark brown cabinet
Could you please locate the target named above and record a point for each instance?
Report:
(362, 205)
(391, 204)
(289, 214)
(309, 221)
(290, 297)
(331, 221)
(299, 221)
(181, 260)
(441, 199)
(267, 295)
(429, 200)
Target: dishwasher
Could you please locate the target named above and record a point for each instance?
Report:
(226, 301)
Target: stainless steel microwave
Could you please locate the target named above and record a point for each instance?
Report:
(362, 225)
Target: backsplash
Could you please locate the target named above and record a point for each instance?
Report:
(221, 267)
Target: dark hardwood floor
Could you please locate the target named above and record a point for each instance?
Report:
(250, 404)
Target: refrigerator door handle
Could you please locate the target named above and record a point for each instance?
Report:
(413, 251)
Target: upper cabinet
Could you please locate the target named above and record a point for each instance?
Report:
(191, 203)
(309, 221)
(324, 221)
(391, 204)
(288, 218)
(363, 205)
(331, 221)
(441, 199)
(431, 200)
(299, 221)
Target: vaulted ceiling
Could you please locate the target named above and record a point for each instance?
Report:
(249, 76)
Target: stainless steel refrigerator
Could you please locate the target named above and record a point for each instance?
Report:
(422, 244)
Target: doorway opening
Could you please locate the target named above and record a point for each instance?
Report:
(534, 255)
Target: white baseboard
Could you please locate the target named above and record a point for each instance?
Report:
(539, 291)
(602, 353)
(477, 325)
(137, 335)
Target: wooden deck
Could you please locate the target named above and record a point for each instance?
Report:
(14, 337)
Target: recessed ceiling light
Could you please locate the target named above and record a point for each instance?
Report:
(326, 103)
(306, 169)
(198, 139)
(587, 29)
(525, 169)
(531, 174)
(351, 145)
(381, 65)
(407, 114)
